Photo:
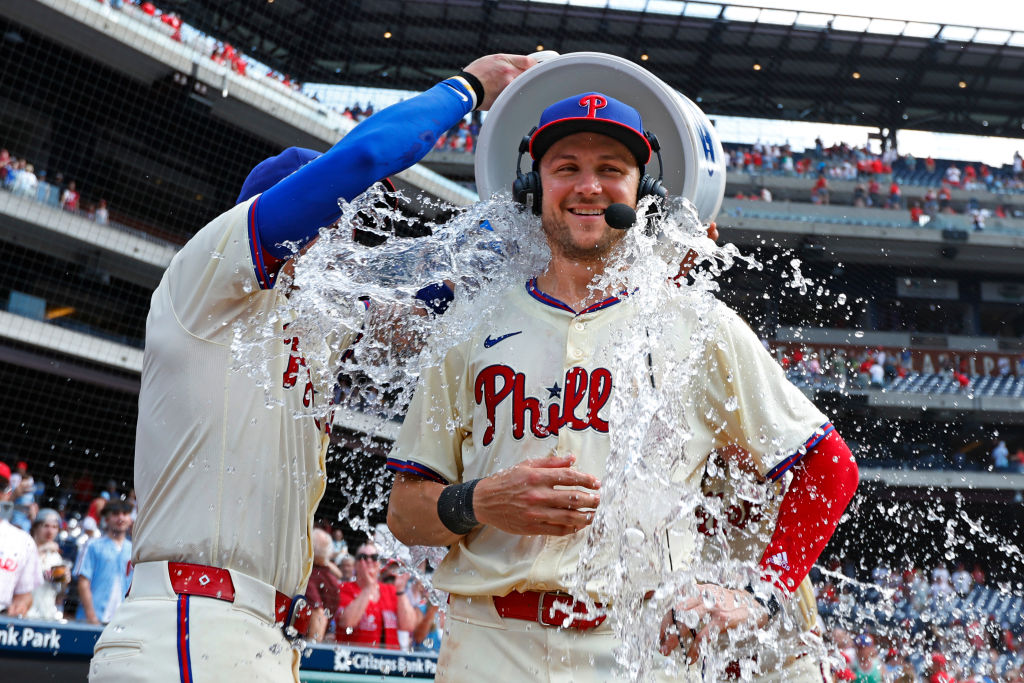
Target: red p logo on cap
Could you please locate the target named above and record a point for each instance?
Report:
(593, 102)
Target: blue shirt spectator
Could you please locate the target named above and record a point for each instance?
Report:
(104, 573)
(1001, 456)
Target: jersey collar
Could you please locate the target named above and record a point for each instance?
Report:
(545, 298)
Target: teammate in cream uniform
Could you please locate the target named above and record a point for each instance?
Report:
(520, 408)
(227, 486)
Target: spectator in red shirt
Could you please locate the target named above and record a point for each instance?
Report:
(324, 588)
(371, 612)
(938, 670)
(819, 194)
(873, 189)
(239, 64)
(174, 21)
(970, 180)
(69, 200)
(915, 213)
(895, 196)
(945, 197)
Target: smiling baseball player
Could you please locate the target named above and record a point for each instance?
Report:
(504, 447)
(227, 485)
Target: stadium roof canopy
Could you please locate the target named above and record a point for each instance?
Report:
(733, 60)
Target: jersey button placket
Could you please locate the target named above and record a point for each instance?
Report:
(575, 342)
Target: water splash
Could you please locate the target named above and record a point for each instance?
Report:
(483, 251)
(353, 306)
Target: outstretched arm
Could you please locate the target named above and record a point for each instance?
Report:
(293, 210)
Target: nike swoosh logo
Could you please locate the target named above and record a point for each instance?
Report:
(488, 343)
(458, 92)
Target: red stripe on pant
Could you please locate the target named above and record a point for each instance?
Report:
(184, 659)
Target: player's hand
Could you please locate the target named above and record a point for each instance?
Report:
(497, 71)
(523, 499)
(729, 609)
(690, 258)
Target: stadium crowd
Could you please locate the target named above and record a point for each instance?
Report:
(928, 625)
(361, 597)
(876, 368)
(19, 176)
(881, 178)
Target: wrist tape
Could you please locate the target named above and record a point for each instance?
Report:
(455, 507)
(475, 84)
(771, 605)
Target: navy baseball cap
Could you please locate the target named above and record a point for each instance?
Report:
(268, 172)
(595, 113)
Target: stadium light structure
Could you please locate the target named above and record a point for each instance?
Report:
(804, 19)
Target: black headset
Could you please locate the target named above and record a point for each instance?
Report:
(526, 188)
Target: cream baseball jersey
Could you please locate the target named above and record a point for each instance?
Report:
(222, 479)
(535, 378)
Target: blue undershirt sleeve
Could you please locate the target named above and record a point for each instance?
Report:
(390, 141)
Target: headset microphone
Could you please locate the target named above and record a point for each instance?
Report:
(620, 216)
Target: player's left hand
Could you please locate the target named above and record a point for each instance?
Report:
(496, 72)
(729, 609)
(690, 258)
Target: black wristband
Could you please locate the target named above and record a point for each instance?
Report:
(455, 507)
(475, 84)
(771, 605)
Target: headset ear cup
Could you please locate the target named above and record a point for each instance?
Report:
(526, 190)
(649, 185)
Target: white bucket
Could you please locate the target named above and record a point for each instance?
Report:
(692, 152)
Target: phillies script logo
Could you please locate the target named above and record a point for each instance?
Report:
(296, 361)
(585, 392)
(593, 103)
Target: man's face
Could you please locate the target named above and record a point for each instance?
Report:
(348, 567)
(582, 174)
(368, 562)
(48, 531)
(119, 521)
